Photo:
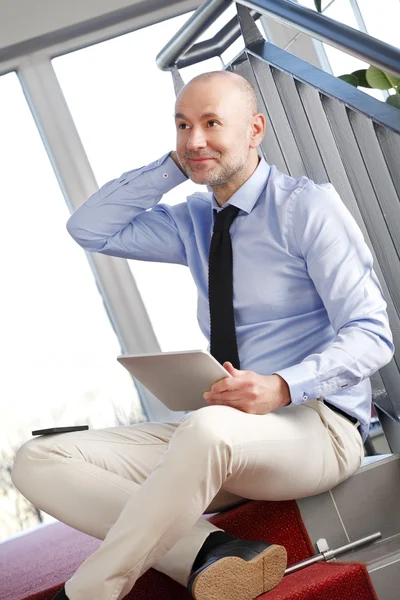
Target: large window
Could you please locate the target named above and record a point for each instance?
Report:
(378, 19)
(58, 349)
(123, 107)
(382, 19)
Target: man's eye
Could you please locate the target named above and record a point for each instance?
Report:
(182, 126)
(213, 123)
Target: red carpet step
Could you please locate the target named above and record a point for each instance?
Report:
(34, 566)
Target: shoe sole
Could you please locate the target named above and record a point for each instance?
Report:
(232, 578)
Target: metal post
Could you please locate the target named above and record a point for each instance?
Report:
(122, 299)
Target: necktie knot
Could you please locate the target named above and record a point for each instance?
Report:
(225, 217)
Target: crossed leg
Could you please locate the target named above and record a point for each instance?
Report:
(84, 479)
(142, 489)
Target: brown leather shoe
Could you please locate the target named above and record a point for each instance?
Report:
(238, 570)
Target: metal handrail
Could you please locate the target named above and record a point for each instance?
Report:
(214, 46)
(343, 37)
(198, 23)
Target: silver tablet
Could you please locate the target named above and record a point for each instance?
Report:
(178, 379)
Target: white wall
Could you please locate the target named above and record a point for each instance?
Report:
(22, 20)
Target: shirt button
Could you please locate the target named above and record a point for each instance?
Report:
(157, 162)
(305, 397)
(165, 175)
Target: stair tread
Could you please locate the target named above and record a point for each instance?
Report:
(377, 554)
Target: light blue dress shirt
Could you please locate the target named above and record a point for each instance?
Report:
(308, 305)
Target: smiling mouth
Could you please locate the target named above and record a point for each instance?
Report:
(201, 159)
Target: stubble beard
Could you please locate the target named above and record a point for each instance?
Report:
(221, 175)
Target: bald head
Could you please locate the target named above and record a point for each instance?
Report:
(227, 81)
(218, 129)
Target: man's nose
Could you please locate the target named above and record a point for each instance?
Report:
(196, 140)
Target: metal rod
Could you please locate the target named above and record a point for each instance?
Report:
(330, 554)
(199, 22)
(216, 45)
(347, 39)
(320, 27)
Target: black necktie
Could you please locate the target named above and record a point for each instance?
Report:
(223, 344)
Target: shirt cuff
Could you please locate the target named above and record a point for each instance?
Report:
(165, 174)
(302, 382)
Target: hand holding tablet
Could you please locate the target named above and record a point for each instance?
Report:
(177, 379)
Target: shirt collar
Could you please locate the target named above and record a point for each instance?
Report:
(247, 195)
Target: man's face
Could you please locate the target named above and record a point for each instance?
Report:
(213, 131)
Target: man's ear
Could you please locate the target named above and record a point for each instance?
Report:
(258, 127)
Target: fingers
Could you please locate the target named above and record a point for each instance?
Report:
(220, 386)
(223, 398)
(228, 384)
(238, 403)
(241, 383)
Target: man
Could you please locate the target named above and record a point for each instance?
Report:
(310, 325)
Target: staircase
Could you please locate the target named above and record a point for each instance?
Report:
(364, 504)
(322, 127)
(34, 566)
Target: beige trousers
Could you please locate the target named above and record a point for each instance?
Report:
(143, 488)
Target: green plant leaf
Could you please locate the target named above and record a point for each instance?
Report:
(361, 76)
(318, 5)
(395, 81)
(349, 79)
(394, 100)
(378, 79)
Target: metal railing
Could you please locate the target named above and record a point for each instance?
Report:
(215, 46)
(326, 129)
(347, 39)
